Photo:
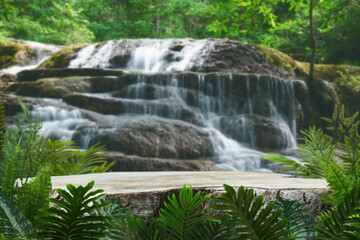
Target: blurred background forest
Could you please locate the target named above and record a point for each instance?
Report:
(281, 24)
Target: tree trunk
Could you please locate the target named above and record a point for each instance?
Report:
(157, 21)
(313, 41)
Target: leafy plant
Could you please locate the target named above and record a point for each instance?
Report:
(251, 219)
(13, 224)
(299, 222)
(71, 217)
(181, 217)
(129, 227)
(342, 221)
(32, 196)
(320, 158)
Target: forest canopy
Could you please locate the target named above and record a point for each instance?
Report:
(281, 24)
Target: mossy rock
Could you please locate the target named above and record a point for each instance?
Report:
(282, 60)
(33, 75)
(62, 58)
(51, 87)
(9, 52)
(331, 73)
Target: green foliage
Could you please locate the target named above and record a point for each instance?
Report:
(13, 224)
(181, 217)
(251, 219)
(342, 221)
(298, 222)
(33, 194)
(321, 159)
(129, 227)
(19, 156)
(70, 218)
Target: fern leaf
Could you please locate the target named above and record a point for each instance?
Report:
(33, 194)
(131, 228)
(13, 224)
(341, 221)
(72, 218)
(181, 216)
(299, 223)
(249, 219)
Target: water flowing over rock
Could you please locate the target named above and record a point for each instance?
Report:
(180, 99)
(31, 58)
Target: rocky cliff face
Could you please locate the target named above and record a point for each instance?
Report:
(182, 99)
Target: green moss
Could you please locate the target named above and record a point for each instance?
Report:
(331, 73)
(282, 60)
(8, 51)
(62, 58)
(51, 87)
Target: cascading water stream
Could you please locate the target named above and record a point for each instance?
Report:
(40, 53)
(237, 111)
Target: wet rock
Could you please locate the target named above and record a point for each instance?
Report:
(234, 56)
(136, 163)
(8, 78)
(33, 75)
(176, 48)
(107, 105)
(51, 87)
(151, 137)
(9, 52)
(120, 61)
(12, 105)
(258, 132)
(62, 58)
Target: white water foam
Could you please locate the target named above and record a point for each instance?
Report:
(42, 53)
(146, 55)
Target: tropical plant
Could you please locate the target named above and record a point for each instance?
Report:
(342, 222)
(251, 219)
(129, 227)
(299, 222)
(32, 196)
(71, 216)
(180, 217)
(321, 158)
(13, 224)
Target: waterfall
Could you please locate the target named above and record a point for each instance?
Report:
(59, 123)
(244, 114)
(146, 55)
(40, 53)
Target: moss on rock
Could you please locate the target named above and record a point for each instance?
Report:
(331, 73)
(51, 87)
(9, 52)
(62, 58)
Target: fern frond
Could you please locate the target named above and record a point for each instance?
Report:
(71, 219)
(338, 181)
(91, 160)
(34, 194)
(180, 217)
(249, 219)
(301, 169)
(13, 224)
(131, 228)
(299, 223)
(214, 229)
(338, 223)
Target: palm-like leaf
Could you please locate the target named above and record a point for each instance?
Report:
(180, 218)
(33, 195)
(342, 221)
(13, 224)
(249, 219)
(128, 227)
(299, 223)
(214, 229)
(71, 219)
